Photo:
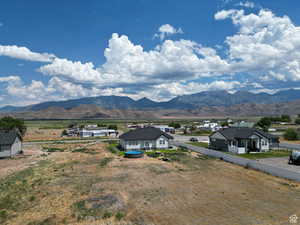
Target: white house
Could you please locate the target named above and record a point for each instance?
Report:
(165, 128)
(10, 143)
(207, 125)
(241, 140)
(145, 139)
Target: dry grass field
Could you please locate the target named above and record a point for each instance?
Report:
(34, 134)
(86, 184)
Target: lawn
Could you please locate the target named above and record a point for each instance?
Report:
(199, 144)
(198, 133)
(271, 154)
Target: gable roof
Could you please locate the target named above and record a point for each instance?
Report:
(8, 137)
(147, 133)
(243, 133)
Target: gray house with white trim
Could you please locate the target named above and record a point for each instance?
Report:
(145, 139)
(10, 143)
(241, 140)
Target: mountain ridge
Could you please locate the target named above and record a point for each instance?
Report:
(184, 102)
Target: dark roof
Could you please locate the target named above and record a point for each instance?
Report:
(243, 133)
(148, 133)
(8, 137)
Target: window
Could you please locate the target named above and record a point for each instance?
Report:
(162, 142)
(132, 143)
(263, 142)
(4, 148)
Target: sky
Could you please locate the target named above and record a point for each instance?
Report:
(159, 49)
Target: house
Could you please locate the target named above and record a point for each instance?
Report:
(145, 138)
(209, 126)
(243, 124)
(91, 126)
(242, 140)
(165, 128)
(97, 132)
(10, 143)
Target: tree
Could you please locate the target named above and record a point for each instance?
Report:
(175, 125)
(224, 124)
(264, 123)
(297, 121)
(285, 118)
(291, 134)
(72, 125)
(10, 123)
(64, 133)
(112, 127)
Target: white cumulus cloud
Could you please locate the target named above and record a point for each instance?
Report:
(246, 4)
(167, 30)
(24, 53)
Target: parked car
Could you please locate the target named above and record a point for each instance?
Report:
(295, 158)
(193, 139)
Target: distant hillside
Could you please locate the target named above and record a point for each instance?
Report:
(91, 111)
(84, 111)
(185, 102)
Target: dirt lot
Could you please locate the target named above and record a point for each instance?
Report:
(78, 184)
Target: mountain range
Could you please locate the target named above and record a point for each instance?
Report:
(184, 102)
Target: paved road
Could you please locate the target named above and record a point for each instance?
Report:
(183, 138)
(281, 162)
(274, 169)
(289, 146)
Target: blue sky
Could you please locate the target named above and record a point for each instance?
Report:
(54, 50)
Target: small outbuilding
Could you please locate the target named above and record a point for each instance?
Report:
(10, 143)
(97, 132)
(145, 139)
(242, 140)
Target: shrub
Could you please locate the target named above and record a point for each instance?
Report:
(153, 154)
(120, 215)
(3, 215)
(53, 149)
(105, 161)
(290, 134)
(107, 215)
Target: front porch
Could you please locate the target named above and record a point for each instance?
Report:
(251, 144)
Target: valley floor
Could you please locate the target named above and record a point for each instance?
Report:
(86, 184)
